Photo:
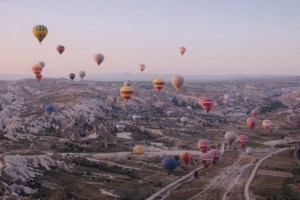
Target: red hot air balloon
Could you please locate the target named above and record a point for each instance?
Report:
(186, 157)
(182, 50)
(216, 154)
(142, 67)
(206, 159)
(207, 103)
(203, 145)
(38, 77)
(267, 123)
(254, 112)
(251, 122)
(242, 140)
(60, 49)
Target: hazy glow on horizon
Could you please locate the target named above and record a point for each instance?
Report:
(221, 37)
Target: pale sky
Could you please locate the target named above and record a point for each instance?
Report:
(221, 37)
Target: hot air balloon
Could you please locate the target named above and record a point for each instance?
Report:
(42, 64)
(162, 105)
(38, 77)
(267, 124)
(230, 137)
(126, 92)
(249, 150)
(216, 154)
(142, 67)
(207, 103)
(127, 83)
(98, 58)
(206, 159)
(37, 69)
(60, 49)
(186, 157)
(182, 50)
(72, 76)
(158, 84)
(203, 145)
(49, 109)
(246, 100)
(169, 164)
(297, 123)
(177, 82)
(189, 108)
(169, 113)
(40, 32)
(184, 120)
(121, 127)
(247, 111)
(254, 112)
(242, 140)
(136, 117)
(138, 149)
(251, 122)
(81, 74)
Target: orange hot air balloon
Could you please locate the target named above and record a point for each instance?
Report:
(142, 67)
(182, 50)
(36, 69)
(267, 124)
(251, 122)
(207, 103)
(60, 49)
(186, 157)
(38, 77)
(177, 82)
(158, 84)
(126, 92)
(138, 149)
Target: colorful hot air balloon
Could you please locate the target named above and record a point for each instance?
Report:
(186, 157)
(136, 117)
(81, 74)
(98, 58)
(37, 69)
(49, 109)
(169, 164)
(216, 154)
(246, 100)
(121, 127)
(38, 77)
(230, 137)
(206, 159)
(158, 84)
(203, 145)
(60, 49)
(72, 76)
(127, 83)
(267, 124)
(251, 122)
(249, 150)
(242, 140)
(177, 82)
(126, 92)
(182, 50)
(138, 149)
(162, 105)
(142, 67)
(169, 113)
(297, 123)
(40, 32)
(42, 64)
(254, 112)
(207, 103)
(184, 120)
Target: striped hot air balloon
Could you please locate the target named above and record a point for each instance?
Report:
(206, 159)
(38, 77)
(72, 76)
(138, 149)
(186, 157)
(182, 50)
(98, 58)
(203, 145)
(127, 83)
(37, 69)
(42, 64)
(267, 124)
(251, 122)
(216, 154)
(254, 112)
(158, 84)
(126, 92)
(60, 49)
(207, 103)
(142, 67)
(230, 137)
(169, 164)
(177, 82)
(40, 32)
(242, 140)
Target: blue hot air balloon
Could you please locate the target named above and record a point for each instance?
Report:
(72, 76)
(49, 109)
(169, 164)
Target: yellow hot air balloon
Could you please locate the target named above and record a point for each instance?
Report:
(40, 32)
(158, 84)
(177, 82)
(37, 69)
(126, 92)
(138, 149)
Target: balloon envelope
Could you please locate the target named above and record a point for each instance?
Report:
(49, 109)
(206, 159)
(127, 83)
(207, 103)
(38, 77)
(142, 67)
(242, 140)
(182, 50)
(126, 92)
(42, 64)
(169, 164)
(98, 58)
(81, 74)
(158, 84)
(230, 137)
(203, 145)
(60, 49)
(216, 154)
(72, 76)
(186, 157)
(184, 120)
(138, 149)
(40, 32)
(177, 82)
(36, 69)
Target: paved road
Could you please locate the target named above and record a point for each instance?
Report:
(255, 170)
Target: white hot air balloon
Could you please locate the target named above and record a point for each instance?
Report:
(81, 74)
(184, 120)
(42, 64)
